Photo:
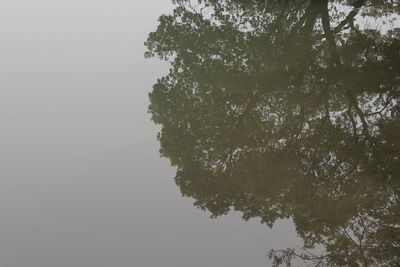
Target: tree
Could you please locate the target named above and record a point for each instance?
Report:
(287, 109)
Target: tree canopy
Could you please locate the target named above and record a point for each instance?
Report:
(288, 109)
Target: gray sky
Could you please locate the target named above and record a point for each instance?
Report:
(81, 180)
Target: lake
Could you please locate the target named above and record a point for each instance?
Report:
(199, 133)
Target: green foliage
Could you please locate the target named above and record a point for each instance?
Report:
(287, 110)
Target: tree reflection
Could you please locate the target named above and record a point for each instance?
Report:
(287, 109)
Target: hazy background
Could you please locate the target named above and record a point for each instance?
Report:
(81, 180)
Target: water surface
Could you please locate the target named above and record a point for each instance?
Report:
(283, 114)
